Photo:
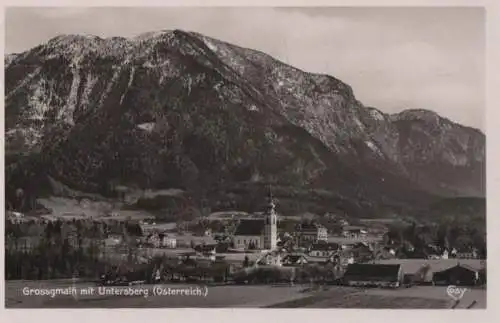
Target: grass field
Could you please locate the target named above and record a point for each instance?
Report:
(435, 293)
(217, 296)
(254, 296)
(427, 297)
(68, 208)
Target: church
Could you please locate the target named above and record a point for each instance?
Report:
(258, 233)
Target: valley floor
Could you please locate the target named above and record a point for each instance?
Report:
(252, 296)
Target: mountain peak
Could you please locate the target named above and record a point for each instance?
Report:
(417, 115)
(185, 109)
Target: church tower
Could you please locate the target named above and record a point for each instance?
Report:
(271, 223)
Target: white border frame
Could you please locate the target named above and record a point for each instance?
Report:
(296, 315)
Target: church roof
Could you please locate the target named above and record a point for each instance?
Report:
(250, 227)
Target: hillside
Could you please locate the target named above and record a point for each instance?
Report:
(175, 109)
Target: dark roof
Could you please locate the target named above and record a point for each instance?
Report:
(360, 245)
(205, 248)
(309, 226)
(372, 270)
(250, 227)
(294, 258)
(458, 267)
(465, 250)
(353, 228)
(325, 246)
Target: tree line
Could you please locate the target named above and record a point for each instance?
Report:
(59, 249)
(444, 235)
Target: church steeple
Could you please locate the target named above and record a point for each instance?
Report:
(270, 239)
(271, 205)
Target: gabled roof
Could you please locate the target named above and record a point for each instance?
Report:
(372, 270)
(205, 248)
(353, 228)
(250, 227)
(325, 246)
(309, 226)
(294, 258)
(459, 266)
(465, 250)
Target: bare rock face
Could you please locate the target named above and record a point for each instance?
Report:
(178, 109)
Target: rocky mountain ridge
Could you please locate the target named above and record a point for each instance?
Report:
(179, 109)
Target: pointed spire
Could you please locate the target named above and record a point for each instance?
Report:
(272, 206)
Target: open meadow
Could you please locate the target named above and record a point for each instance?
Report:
(217, 296)
(255, 296)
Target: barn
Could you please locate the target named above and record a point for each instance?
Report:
(459, 275)
(374, 275)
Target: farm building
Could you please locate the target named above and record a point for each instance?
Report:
(323, 249)
(374, 275)
(469, 253)
(206, 250)
(294, 260)
(161, 240)
(457, 275)
(310, 233)
(413, 265)
(354, 232)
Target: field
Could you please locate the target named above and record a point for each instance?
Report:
(67, 208)
(427, 297)
(217, 296)
(255, 296)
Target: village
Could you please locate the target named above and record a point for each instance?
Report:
(237, 248)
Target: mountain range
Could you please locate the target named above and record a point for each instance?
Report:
(177, 109)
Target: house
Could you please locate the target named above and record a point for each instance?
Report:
(323, 249)
(167, 241)
(347, 260)
(457, 275)
(260, 233)
(161, 240)
(294, 260)
(321, 261)
(310, 233)
(354, 232)
(385, 253)
(343, 222)
(15, 217)
(374, 275)
(153, 239)
(207, 249)
(271, 259)
(362, 250)
(466, 253)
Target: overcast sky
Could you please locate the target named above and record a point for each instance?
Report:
(394, 58)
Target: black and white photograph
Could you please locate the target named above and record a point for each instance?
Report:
(245, 157)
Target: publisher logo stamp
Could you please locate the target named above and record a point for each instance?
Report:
(455, 292)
